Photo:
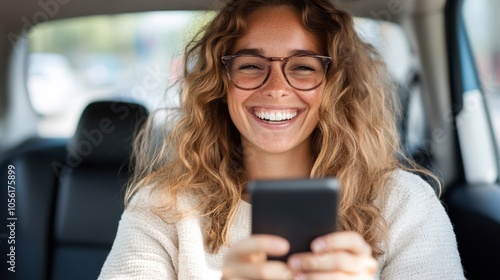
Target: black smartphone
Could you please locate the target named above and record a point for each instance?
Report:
(298, 210)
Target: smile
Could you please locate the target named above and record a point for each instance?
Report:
(275, 115)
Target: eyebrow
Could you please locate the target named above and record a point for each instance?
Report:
(250, 51)
(290, 53)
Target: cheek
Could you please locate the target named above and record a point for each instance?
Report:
(232, 99)
(313, 99)
(237, 96)
(231, 106)
(314, 102)
(235, 99)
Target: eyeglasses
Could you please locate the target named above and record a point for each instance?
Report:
(251, 71)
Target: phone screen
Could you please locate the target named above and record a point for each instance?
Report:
(298, 210)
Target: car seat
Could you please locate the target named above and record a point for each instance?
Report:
(69, 195)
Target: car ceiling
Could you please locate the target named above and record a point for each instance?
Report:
(14, 15)
(12, 12)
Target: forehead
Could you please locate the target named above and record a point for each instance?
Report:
(276, 31)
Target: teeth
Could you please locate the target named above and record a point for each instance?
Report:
(275, 116)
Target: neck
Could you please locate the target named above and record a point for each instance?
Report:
(288, 165)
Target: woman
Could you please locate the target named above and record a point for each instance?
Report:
(280, 89)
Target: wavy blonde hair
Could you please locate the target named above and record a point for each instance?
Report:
(356, 139)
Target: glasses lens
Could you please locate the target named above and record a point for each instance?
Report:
(301, 72)
(248, 72)
(305, 72)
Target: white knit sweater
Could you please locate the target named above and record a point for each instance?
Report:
(421, 242)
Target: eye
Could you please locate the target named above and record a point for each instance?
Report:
(304, 65)
(303, 68)
(250, 67)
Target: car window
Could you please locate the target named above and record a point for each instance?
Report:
(481, 22)
(122, 57)
(139, 56)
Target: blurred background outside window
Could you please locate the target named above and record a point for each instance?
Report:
(482, 22)
(135, 57)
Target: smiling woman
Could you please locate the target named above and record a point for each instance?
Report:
(261, 99)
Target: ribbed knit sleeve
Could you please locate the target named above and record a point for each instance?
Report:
(421, 244)
(153, 248)
(144, 248)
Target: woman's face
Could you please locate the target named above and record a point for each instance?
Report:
(275, 32)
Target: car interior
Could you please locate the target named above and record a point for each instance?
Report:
(65, 151)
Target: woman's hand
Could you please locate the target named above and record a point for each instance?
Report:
(341, 255)
(248, 259)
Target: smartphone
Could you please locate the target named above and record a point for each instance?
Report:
(298, 210)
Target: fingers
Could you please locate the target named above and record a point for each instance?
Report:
(268, 270)
(332, 276)
(346, 241)
(248, 259)
(334, 262)
(341, 255)
(257, 247)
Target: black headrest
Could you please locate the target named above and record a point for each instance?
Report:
(105, 132)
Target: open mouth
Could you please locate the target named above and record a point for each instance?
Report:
(276, 116)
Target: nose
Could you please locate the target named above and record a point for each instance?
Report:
(276, 85)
